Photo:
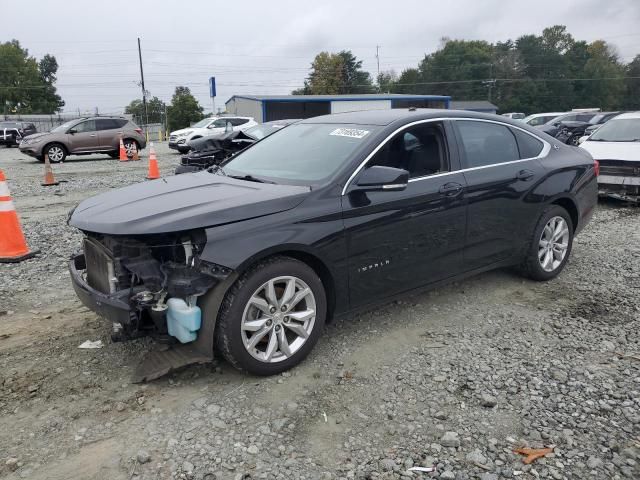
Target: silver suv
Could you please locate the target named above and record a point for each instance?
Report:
(85, 136)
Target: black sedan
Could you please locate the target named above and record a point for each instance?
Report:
(330, 215)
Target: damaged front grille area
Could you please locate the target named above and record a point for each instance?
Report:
(620, 167)
(147, 271)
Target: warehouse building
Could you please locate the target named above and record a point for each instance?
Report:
(266, 108)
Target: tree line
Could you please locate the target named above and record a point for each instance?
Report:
(534, 73)
(27, 84)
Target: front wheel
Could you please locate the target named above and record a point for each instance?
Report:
(56, 153)
(272, 317)
(550, 246)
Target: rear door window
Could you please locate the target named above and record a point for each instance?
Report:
(528, 145)
(485, 143)
(106, 124)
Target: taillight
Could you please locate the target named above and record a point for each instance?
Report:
(139, 130)
(596, 167)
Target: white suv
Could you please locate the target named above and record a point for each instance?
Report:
(179, 140)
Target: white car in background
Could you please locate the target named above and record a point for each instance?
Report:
(616, 147)
(514, 115)
(538, 119)
(179, 140)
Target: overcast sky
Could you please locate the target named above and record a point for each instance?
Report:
(265, 47)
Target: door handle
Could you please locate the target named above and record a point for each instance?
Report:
(450, 189)
(92, 135)
(524, 175)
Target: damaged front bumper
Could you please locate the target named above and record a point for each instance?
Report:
(114, 306)
(620, 187)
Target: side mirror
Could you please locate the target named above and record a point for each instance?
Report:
(378, 178)
(72, 131)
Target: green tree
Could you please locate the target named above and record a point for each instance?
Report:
(354, 79)
(184, 109)
(336, 73)
(26, 85)
(632, 85)
(155, 110)
(459, 68)
(387, 81)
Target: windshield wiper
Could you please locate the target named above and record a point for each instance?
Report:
(250, 178)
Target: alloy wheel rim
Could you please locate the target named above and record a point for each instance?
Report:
(55, 154)
(128, 148)
(553, 244)
(278, 319)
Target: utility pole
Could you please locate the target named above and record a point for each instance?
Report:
(378, 62)
(490, 83)
(144, 92)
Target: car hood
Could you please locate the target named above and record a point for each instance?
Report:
(37, 135)
(182, 131)
(612, 150)
(182, 202)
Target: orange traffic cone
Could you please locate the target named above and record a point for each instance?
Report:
(153, 164)
(49, 179)
(135, 155)
(13, 246)
(123, 153)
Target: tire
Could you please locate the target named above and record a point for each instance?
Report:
(129, 145)
(543, 261)
(56, 152)
(114, 154)
(241, 322)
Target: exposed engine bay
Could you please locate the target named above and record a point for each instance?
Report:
(146, 273)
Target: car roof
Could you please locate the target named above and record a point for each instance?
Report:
(401, 116)
(627, 115)
(284, 121)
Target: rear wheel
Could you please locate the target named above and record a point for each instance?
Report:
(550, 246)
(130, 146)
(55, 152)
(272, 317)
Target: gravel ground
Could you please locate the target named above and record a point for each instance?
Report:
(456, 378)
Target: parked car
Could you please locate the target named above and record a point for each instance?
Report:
(330, 215)
(616, 146)
(596, 122)
(514, 115)
(538, 119)
(85, 136)
(12, 133)
(568, 128)
(212, 150)
(179, 139)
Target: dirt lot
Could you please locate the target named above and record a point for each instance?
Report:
(455, 378)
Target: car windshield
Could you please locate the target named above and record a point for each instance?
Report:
(202, 123)
(261, 131)
(304, 153)
(618, 130)
(65, 126)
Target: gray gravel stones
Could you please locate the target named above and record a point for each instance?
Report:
(450, 439)
(488, 401)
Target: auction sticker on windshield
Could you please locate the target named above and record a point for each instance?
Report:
(349, 132)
